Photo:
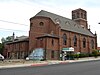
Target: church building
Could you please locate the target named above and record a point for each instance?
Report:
(55, 34)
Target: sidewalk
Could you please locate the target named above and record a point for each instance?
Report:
(23, 63)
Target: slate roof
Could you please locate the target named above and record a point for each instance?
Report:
(19, 39)
(48, 35)
(65, 23)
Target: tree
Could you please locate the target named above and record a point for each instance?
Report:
(7, 39)
(1, 48)
(4, 41)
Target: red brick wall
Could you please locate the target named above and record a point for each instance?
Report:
(52, 47)
(18, 47)
(49, 44)
(79, 47)
(36, 30)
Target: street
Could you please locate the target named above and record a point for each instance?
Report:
(83, 68)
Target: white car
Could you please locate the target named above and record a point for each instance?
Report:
(1, 57)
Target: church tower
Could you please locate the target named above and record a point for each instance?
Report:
(80, 17)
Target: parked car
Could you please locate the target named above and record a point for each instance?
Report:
(1, 57)
(37, 54)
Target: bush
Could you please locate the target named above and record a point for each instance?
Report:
(91, 55)
(95, 53)
(72, 57)
(83, 55)
(98, 54)
(76, 56)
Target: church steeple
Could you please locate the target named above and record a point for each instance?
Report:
(80, 16)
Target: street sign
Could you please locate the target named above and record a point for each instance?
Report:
(68, 49)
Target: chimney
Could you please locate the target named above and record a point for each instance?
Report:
(13, 37)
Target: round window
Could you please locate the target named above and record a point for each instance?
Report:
(41, 23)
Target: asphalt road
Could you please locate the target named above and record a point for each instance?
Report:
(83, 68)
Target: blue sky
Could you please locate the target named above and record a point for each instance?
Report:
(20, 11)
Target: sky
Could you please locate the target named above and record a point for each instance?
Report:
(15, 14)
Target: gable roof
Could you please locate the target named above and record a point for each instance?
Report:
(19, 39)
(65, 23)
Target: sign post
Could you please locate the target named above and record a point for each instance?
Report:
(67, 53)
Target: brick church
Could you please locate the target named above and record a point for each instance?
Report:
(54, 33)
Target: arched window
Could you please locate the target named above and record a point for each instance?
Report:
(75, 40)
(53, 42)
(64, 39)
(81, 15)
(77, 14)
(92, 44)
(73, 16)
(84, 42)
(52, 54)
(84, 16)
(41, 23)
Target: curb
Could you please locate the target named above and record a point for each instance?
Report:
(63, 62)
(48, 63)
(39, 64)
(14, 66)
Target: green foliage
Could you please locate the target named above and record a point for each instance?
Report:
(3, 40)
(91, 55)
(95, 53)
(83, 55)
(1, 48)
(71, 56)
(76, 56)
(7, 39)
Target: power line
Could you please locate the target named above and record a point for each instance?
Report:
(12, 30)
(13, 22)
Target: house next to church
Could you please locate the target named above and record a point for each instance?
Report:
(17, 48)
